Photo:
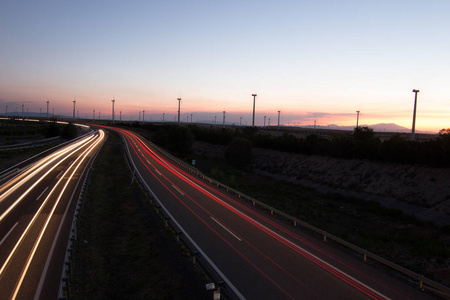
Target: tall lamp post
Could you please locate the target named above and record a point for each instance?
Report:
(74, 108)
(47, 108)
(113, 100)
(254, 98)
(22, 113)
(278, 120)
(179, 101)
(223, 125)
(357, 118)
(413, 137)
(6, 110)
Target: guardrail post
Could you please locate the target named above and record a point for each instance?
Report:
(421, 282)
(324, 236)
(365, 254)
(194, 257)
(271, 212)
(295, 223)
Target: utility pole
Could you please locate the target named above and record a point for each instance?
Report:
(47, 108)
(223, 125)
(357, 118)
(254, 98)
(93, 114)
(120, 116)
(113, 100)
(6, 110)
(264, 122)
(163, 116)
(240, 121)
(179, 101)
(74, 108)
(143, 113)
(22, 113)
(278, 120)
(413, 137)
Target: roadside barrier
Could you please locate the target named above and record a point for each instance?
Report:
(423, 282)
(224, 286)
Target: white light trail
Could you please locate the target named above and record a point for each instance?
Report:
(80, 160)
(16, 186)
(42, 206)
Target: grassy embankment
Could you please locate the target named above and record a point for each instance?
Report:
(123, 250)
(420, 246)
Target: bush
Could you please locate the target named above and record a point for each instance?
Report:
(239, 152)
(180, 140)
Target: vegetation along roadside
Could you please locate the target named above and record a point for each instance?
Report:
(123, 250)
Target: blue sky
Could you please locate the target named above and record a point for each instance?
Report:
(313, 60)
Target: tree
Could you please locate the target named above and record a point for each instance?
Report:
(364, 143)
(180, 140)
(239, 152)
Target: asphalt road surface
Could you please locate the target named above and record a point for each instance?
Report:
(36, 213)
(260, 257)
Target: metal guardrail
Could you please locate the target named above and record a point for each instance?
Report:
(29, 144)
(224, 284)
(423, 282)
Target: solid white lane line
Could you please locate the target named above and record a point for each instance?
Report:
(226, 229)
(42, 194)
(177, 190)
(9, 232)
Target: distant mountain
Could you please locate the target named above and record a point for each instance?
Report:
(380, 127)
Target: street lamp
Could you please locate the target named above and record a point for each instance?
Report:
(179, 101)
(22, 113)
(6, 110)
(357, 118)
(223, 125)
(113, 100)
(278, 120)
(414, 115)
(74, 108)
(253, 121)
(47, 108)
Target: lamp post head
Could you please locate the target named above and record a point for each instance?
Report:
(178, 99)
(415, 91)
(254, 95)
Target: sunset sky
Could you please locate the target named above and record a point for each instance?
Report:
(312, 60)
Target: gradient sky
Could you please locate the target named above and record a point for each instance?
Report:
(312, 60)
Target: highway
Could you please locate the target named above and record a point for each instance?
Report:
(259, 256)
(36, 213)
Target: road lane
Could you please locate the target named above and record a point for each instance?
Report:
(270, 259)
(39, 201)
